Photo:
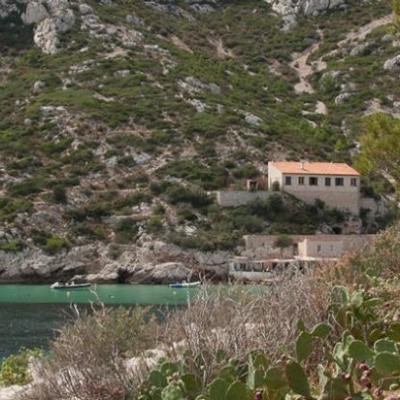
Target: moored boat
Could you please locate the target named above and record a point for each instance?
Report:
(69, 285)
(182, 285)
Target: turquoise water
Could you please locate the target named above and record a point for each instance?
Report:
(29, 314)
(107, 294)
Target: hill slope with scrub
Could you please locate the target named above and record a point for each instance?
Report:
(117, 118)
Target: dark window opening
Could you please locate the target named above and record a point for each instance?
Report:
(339, 181)
(288, 180)
(301, 180)
(313, 181)
(327, 181)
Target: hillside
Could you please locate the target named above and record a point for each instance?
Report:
(116, 118)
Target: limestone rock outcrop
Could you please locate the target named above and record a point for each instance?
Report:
(150, 261)
(289, 9)
(393, 64)
(50, 18)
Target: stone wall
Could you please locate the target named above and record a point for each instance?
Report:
(336, 197)
(262, 246)
(321, 248)
(239, 198)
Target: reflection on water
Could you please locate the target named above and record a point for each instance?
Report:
(29, 314)
(29, 325)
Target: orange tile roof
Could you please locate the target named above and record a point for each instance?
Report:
(314, 168)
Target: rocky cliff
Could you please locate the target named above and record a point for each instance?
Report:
(291, 9)
(118, 119)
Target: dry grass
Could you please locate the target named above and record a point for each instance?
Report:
(88, 357)
(236, 322)
(87, 360)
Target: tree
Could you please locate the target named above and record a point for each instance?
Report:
(396, 13)
(282, 242)
(380, 148)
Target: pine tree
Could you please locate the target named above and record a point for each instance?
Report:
(396, 13)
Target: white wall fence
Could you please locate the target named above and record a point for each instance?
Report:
(237, 198)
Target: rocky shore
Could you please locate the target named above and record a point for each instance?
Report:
(148, 262)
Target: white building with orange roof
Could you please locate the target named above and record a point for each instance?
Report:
(336, 184)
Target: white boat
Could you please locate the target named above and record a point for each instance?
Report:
(182, 285)
(69, 285)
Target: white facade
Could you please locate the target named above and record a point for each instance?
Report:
(311, 248)
(305, 246)
(336, 190)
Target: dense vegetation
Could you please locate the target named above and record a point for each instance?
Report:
(200, 104)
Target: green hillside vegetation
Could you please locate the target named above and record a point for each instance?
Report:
(93, 148)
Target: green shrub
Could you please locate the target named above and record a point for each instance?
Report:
(249, 223)
(12, 246)
(126, 230)
(90, 230)
(59, 194)
(206, 124)
(134, 199)
(176, 194)
(27, 187)
(186, 214)
(246, 171)
(9, 208)
(14, 369)
(95, 210)
(55, 244)
(209, 177)
(154, 224)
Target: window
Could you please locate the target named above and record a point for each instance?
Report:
(301, 180)
(353, 181)
(288, 180)
(313, 181)
(327, 181)
(319, 248)
(339, 181)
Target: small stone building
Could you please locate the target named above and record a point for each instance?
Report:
(336, 184)
(305, 246)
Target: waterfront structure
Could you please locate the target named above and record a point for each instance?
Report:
(305, 246)
(264, 257)
(336, 184)
(269, 270)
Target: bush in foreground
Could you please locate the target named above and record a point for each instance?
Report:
(14, 369)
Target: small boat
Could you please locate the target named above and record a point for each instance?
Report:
(69, 285)
(182, 285)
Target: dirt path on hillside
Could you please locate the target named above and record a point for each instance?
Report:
(362, 32)
(304, 69)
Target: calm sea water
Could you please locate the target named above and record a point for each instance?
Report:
(29, 314)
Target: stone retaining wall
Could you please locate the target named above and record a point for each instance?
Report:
(239, 198)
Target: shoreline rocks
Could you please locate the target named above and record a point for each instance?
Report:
(147, 262)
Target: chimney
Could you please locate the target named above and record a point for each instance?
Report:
(302, 165)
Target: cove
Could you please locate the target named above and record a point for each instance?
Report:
(29, 314)
(106, 294)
